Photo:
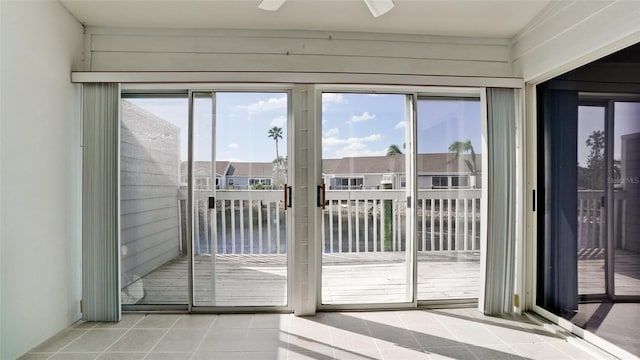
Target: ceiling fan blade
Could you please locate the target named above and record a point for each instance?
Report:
(271, 5)
(379, 7)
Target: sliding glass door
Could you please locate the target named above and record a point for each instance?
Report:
(449, 170)
(240, 198)
(366, 245)
(589, 253)
(153, 199)
(206, 192)
(402, 189)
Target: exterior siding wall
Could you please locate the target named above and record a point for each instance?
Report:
(149, 193)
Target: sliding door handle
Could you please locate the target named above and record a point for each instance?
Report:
(322, 196)
(287, 196)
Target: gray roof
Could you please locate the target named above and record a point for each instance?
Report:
(426, 163)
(251, 169)
(203, 168)
(441, 163)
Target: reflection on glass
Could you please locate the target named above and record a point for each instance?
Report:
(153, 145)
(626, 198)
(240, 246)
(449, 165)
(591, 195)
(364, 242)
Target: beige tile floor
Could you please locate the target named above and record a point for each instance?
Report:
(413, 334)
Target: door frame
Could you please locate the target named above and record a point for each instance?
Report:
(213, 91)
(414, 93)
(608, 101)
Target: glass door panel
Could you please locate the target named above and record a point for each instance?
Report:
(625, 180)
(365, 255)
(240, 238)
(449, 164)
(591, 230)
(153, 200)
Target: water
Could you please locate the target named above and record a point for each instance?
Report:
(251, 243)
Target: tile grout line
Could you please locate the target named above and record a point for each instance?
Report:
(288, 334)
(333, 349)
(94, 327)
(372, 337)
(162, 337)
(121, 336)
(195, 351)
(53, 353)
(406, 326)
(516, 352)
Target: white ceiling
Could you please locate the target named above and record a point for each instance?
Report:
(482, 18)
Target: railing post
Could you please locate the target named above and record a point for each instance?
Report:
(241, 216)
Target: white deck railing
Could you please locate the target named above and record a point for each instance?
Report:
(356, 221)
(253, 222)
(591, 221)
(374, 220)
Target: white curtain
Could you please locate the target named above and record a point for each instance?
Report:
(501, 193)
(100, 233)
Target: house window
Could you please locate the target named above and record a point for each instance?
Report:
(459, 181)
(440, 182)
(403, 181)
(349, 183)
(202, 183)
(263, 181)
(231, 182)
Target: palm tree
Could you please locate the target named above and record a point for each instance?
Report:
(276, 134)
(393, 150)
(461, 147)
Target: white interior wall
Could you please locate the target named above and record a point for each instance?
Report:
(40, 182)
(566, 35)
(112, 49)
(569, 34)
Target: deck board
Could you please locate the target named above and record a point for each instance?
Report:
(250, 279)
(380, 277)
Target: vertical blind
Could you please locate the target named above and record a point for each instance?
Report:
(100, 235)
(501, 192)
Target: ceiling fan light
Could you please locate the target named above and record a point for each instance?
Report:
(271, 5)
(379, 7)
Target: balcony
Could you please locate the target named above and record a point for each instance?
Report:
(363, 235)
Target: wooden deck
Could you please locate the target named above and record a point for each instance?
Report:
(252, 280)
(591, 273)
(348, 278)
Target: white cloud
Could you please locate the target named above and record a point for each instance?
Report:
(352, 146)
(269, 105)
(332, 98)
(372, 137)
(330, 141)
(331, 132)
(279, 121)
(400, 125)
(232, 146)
(358, 149)
(364, 117)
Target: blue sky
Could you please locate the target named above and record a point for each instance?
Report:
(352, 124)
(591, 118)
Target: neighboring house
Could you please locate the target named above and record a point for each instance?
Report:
(202, 174)
(247, 175)
(434, 171)
(229, 175)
